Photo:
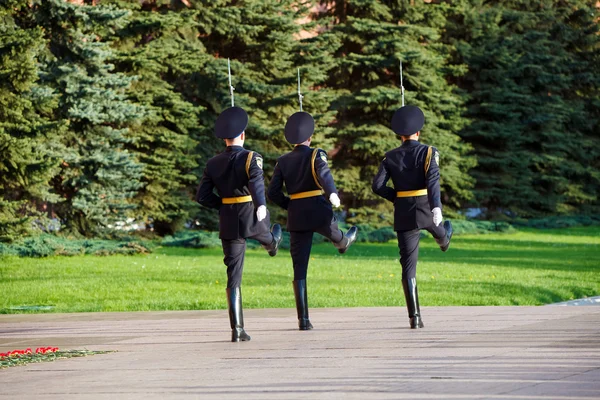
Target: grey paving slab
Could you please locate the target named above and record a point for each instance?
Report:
(353, 353)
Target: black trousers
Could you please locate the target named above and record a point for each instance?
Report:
(408, 243)
(301, 244)
(234, 251)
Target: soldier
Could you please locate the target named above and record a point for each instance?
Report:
(238, 177)
(308, 180)
(415, 174)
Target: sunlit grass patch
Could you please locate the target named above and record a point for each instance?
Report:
(530, 267)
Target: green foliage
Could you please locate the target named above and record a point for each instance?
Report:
(474, 227)
(373, 37)
(193, 239)
(29, 148)
(159, 49)
(50, 245)
(533, 86)
(559, 222)
(97, 175)
(107, 109)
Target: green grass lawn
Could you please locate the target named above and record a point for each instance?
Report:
(531, 267)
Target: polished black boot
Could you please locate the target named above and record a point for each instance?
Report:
(412, 302)
(277, 237)
(302, 305)
(347, 240)
(236, 315)
(445, 241)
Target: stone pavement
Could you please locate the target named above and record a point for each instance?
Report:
(353, 353)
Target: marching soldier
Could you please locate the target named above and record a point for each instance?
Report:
(415, 174)
(238, 178)
(309, 183)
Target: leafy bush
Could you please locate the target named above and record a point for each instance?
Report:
(193, 239)
(50, 245)
(475, 227)
(557, 222)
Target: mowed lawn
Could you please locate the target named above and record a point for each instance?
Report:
(531, 267)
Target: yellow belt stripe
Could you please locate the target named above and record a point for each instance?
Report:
(303, 195)
(233, 200)
(412, 193)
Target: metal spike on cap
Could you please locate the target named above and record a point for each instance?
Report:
(300, 97)
(401, 83)
(231, 88)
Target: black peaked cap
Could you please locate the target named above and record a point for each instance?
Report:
(299, 127)
(231, 123)
(408, 120)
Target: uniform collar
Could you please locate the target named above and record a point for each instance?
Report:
(410, 143)
(234, 148)
(301, 147)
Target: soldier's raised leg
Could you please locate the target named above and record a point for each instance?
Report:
(340, 240)
(270, 241)
(442, 234)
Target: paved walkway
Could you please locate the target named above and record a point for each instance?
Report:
(353, 353)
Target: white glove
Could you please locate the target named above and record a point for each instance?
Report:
(437, 216)
(334, 199)
(261, 213)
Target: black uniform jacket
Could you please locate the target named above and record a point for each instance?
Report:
(227, 173)
(406, 166)
(295, 170)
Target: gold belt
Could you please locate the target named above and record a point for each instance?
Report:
(303, 195)
(233, 200)
(412, 193)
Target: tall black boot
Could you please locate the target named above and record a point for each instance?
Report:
(445, 241)
(347, 240)
(236, 315)
(412, 302)
(302, 305)
(277, 237)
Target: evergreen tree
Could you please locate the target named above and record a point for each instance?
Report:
(97, 176)
(159, 46)
(28, 150)
(374, 37)
(261, 38)
(533, 86)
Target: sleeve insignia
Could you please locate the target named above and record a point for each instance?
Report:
(259, 162)
(323, 156)
(437, 158)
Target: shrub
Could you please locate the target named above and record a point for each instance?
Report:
(193, 239)
(46, 245)
(557, 222)
(464, 227)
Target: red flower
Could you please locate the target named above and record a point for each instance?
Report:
(39, 350)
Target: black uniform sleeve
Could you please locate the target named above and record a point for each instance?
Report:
(433, 180)
(256, 181)
(275, 190)
(324, 174)
(205, 195)
(379, 185)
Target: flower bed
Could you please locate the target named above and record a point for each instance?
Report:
(41, 354)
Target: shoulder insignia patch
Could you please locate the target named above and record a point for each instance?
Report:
(259, 162)
(323, 156)
(436, 157)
